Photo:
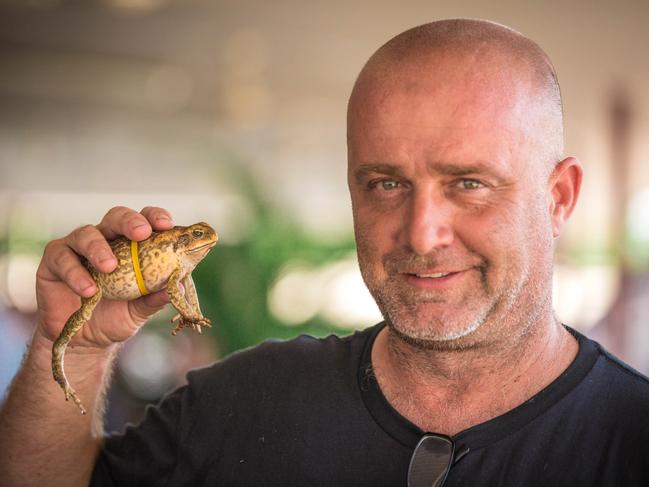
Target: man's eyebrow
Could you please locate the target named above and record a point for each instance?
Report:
(447, 169)
(477, 167)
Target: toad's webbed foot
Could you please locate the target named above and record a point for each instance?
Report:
(70, 393)
(194, 322)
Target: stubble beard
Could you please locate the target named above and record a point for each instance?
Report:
(451, 330)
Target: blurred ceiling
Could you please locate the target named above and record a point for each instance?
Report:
(145, 96)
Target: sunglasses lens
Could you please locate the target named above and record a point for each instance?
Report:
(430, 462)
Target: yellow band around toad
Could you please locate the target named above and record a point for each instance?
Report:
(136, 267)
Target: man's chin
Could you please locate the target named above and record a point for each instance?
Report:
(441, 338)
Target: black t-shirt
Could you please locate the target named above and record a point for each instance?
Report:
(308, 412)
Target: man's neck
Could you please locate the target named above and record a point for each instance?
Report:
(449, 391)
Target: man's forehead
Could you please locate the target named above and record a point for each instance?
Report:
(448, 149)
(455, 131)
(460, 78)
(444, 103)
(446, 119)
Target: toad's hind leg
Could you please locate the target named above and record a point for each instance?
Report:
(72, 326)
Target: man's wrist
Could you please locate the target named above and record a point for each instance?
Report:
(77, 359)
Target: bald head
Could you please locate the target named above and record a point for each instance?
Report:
(498, 63)
(458, 185)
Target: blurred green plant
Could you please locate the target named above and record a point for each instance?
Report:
(234, 281)
(233, 284)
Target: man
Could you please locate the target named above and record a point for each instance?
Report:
(459, 188)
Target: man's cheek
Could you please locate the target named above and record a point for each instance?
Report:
(370, 255)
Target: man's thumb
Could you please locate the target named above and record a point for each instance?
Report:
(143, 308)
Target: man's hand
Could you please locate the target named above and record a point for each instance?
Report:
(44, 439)
(61, 279)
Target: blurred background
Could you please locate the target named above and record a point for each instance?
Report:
(233, 112)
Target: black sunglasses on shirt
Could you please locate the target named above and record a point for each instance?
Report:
(431, 461)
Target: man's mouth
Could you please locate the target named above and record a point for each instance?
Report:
(433, 275)
(429, 279)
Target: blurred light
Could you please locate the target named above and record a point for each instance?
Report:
(246, 104)
(246, 98)
(21, 281)
(246, 54)
(335, 291)
(169, 88)
(638, 216)
(347, 302)
(14, 336)
(35, 4)
(294, 298)
(227, 211)
(582, 295)
(145, 365)
(137, 5)
(78, 77)
(234, 217)
(4, 283)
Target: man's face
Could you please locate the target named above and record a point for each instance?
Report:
(450, 206)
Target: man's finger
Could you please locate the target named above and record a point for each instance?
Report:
(60, 263)
(124, 221)
(142, 308)
(159, 218)
(89, 242)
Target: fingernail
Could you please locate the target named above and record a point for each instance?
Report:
(163, 218)
(106, 258)
(138, 224)
(85, 284)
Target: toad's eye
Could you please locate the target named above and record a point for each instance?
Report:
(197, 233)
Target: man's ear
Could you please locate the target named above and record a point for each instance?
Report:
(564, 186)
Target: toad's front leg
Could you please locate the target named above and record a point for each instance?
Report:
(192, 300)
(186, 304)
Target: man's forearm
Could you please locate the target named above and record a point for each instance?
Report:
(45, 440)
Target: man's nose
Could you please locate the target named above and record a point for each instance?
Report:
(428, 225)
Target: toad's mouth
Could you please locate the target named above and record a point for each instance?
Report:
(207, 245)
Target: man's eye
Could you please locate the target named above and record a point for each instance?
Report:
(470, 184)
(389, 184)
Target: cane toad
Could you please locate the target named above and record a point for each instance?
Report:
(164, 260)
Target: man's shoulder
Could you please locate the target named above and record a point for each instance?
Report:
(618, 376)
(614, 370)
(304, 347)
(613, 395)
(274, 381)
(301, 356)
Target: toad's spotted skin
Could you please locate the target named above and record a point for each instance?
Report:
(166, 260)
